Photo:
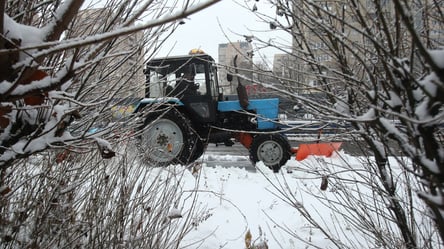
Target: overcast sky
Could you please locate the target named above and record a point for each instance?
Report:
(221, 23)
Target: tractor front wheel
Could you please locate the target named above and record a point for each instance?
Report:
(272, 149)
(167, 139)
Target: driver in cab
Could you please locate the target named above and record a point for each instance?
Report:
(185, 84)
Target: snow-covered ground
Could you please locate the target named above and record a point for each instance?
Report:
(230, 198)
(238, 200)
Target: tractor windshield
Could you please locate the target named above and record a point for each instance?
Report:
(177, 80)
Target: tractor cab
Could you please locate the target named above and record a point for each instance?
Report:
(190, 81)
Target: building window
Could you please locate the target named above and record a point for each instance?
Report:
(323, 57)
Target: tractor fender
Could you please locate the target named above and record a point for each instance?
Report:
(158, 101)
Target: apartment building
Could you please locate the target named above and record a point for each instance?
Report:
(313, 53)
(122, 72)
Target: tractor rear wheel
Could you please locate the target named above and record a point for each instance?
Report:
(167, 138)
(272, 149)
(198, 150)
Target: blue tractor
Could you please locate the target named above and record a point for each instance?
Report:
(184, 110)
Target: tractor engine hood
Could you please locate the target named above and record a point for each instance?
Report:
(265, 109)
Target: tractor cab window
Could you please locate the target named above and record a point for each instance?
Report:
(185, 80)
(213, 82)
(190, 81)
(199, 79)
(158, 80)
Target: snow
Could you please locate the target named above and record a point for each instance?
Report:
(241, 200)
(28, 35)
(342, 107)
(233, 197)
(368, 116)
(58, 16)
(432, 166)
(174, 213)
(429, 89)
(395, 100)
(235, 200)
(438, 57)
(102, 142)
(242, 203)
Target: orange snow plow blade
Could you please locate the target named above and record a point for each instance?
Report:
(317, 149)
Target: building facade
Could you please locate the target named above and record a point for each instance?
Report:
(314, 52)
(122, 71)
